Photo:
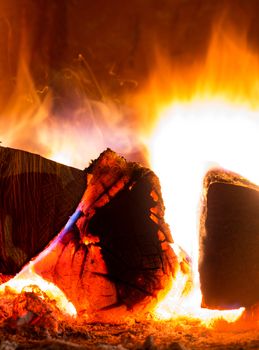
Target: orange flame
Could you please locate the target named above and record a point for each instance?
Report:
(197, 117)
(72, 137)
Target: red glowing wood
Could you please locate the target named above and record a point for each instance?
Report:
(117, 256)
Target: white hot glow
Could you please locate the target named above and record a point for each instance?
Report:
(189, 139)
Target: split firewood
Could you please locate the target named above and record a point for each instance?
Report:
(36, 197)
(114, 253)
(229, 267)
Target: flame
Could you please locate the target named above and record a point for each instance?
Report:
(192, 118)
(208, 117)
(30, 120)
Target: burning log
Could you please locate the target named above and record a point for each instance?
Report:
(113, 254)
(229, 266)
(37, 196)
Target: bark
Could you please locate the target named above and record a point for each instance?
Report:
(36, 198)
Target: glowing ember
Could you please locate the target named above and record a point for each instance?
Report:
(28, 277)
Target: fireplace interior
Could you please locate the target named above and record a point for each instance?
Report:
(128, 175)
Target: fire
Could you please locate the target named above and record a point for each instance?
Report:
(212, 120)
(193, 137)
(27, 279)
(29, 121)
(199, 116)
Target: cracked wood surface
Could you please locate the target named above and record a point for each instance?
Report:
(116, 256)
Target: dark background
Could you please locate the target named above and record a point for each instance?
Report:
(117, 39)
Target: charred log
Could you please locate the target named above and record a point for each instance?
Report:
(229, 267)
(37, 196)
(114, 254)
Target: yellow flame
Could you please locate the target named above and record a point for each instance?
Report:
(212, 119)
(178, 304)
